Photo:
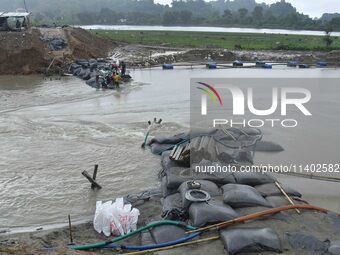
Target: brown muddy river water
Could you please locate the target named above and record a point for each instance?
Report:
(50, 131)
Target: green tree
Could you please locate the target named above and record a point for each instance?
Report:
(227, 16)
(282, 8)
(169, 18)
(184, 17)
(335, 23)
(258, 14)
(243, 13)
(328, 36)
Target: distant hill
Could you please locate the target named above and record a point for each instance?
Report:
(241, 13)
(329, 16)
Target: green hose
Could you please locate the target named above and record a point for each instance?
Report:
(146, 136)
(146, 139)
(119, 238)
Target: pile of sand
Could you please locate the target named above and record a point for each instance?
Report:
(26, 52)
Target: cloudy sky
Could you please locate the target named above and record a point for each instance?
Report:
(314, 8)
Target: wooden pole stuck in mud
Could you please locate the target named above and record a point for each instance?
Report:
(94, 176)
(70, 229)
(92, 180)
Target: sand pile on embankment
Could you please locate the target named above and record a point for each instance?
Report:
(29, 52)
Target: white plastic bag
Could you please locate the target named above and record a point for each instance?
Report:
(116, 223)
(98, 217)
(115, 218)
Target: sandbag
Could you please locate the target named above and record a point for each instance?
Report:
(264, 146)
(166, 162)
(334, 248)
(55, 44)
(165, 191)
(207, 186)
(93, 74)
(168, 140)
(158, 149)
(335, 221)
(93, 82)
(214, 168)
(203, 147)
(177, 175)
(77, 71)
(250, 240)
(82, 72)
(270, 189)
(213, 211)
(86, 75)
(223, 145)
(302, 241)
(93, 66)
(253, 179)
(238, 196)
(167, 233)
(73, 67)
(82, 62)
(172, 202)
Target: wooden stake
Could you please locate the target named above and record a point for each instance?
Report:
(89, 178)
(94, 176)
(70, 228)
(286, 195)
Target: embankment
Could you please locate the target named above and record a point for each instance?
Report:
(29, 52)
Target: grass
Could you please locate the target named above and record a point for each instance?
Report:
(219, 40)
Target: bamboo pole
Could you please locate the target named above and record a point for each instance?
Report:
(258, 215)
(286, 195)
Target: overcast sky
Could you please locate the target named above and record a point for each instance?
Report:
(314, 8)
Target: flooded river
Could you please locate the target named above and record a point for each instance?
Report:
(50, 131)
(208, 29)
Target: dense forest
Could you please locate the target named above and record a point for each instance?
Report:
(240, 13)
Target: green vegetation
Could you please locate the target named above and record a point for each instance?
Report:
(220, 40)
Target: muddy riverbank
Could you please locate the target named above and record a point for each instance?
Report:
(33, 51)
(145, 56)
(51, 131)
(54, 241)
(53, 49)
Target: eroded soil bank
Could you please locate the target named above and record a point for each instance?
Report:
(29, 52)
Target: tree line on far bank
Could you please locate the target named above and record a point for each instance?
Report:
(228, 13)
(259, 17)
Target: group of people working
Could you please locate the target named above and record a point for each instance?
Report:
(114, 76)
